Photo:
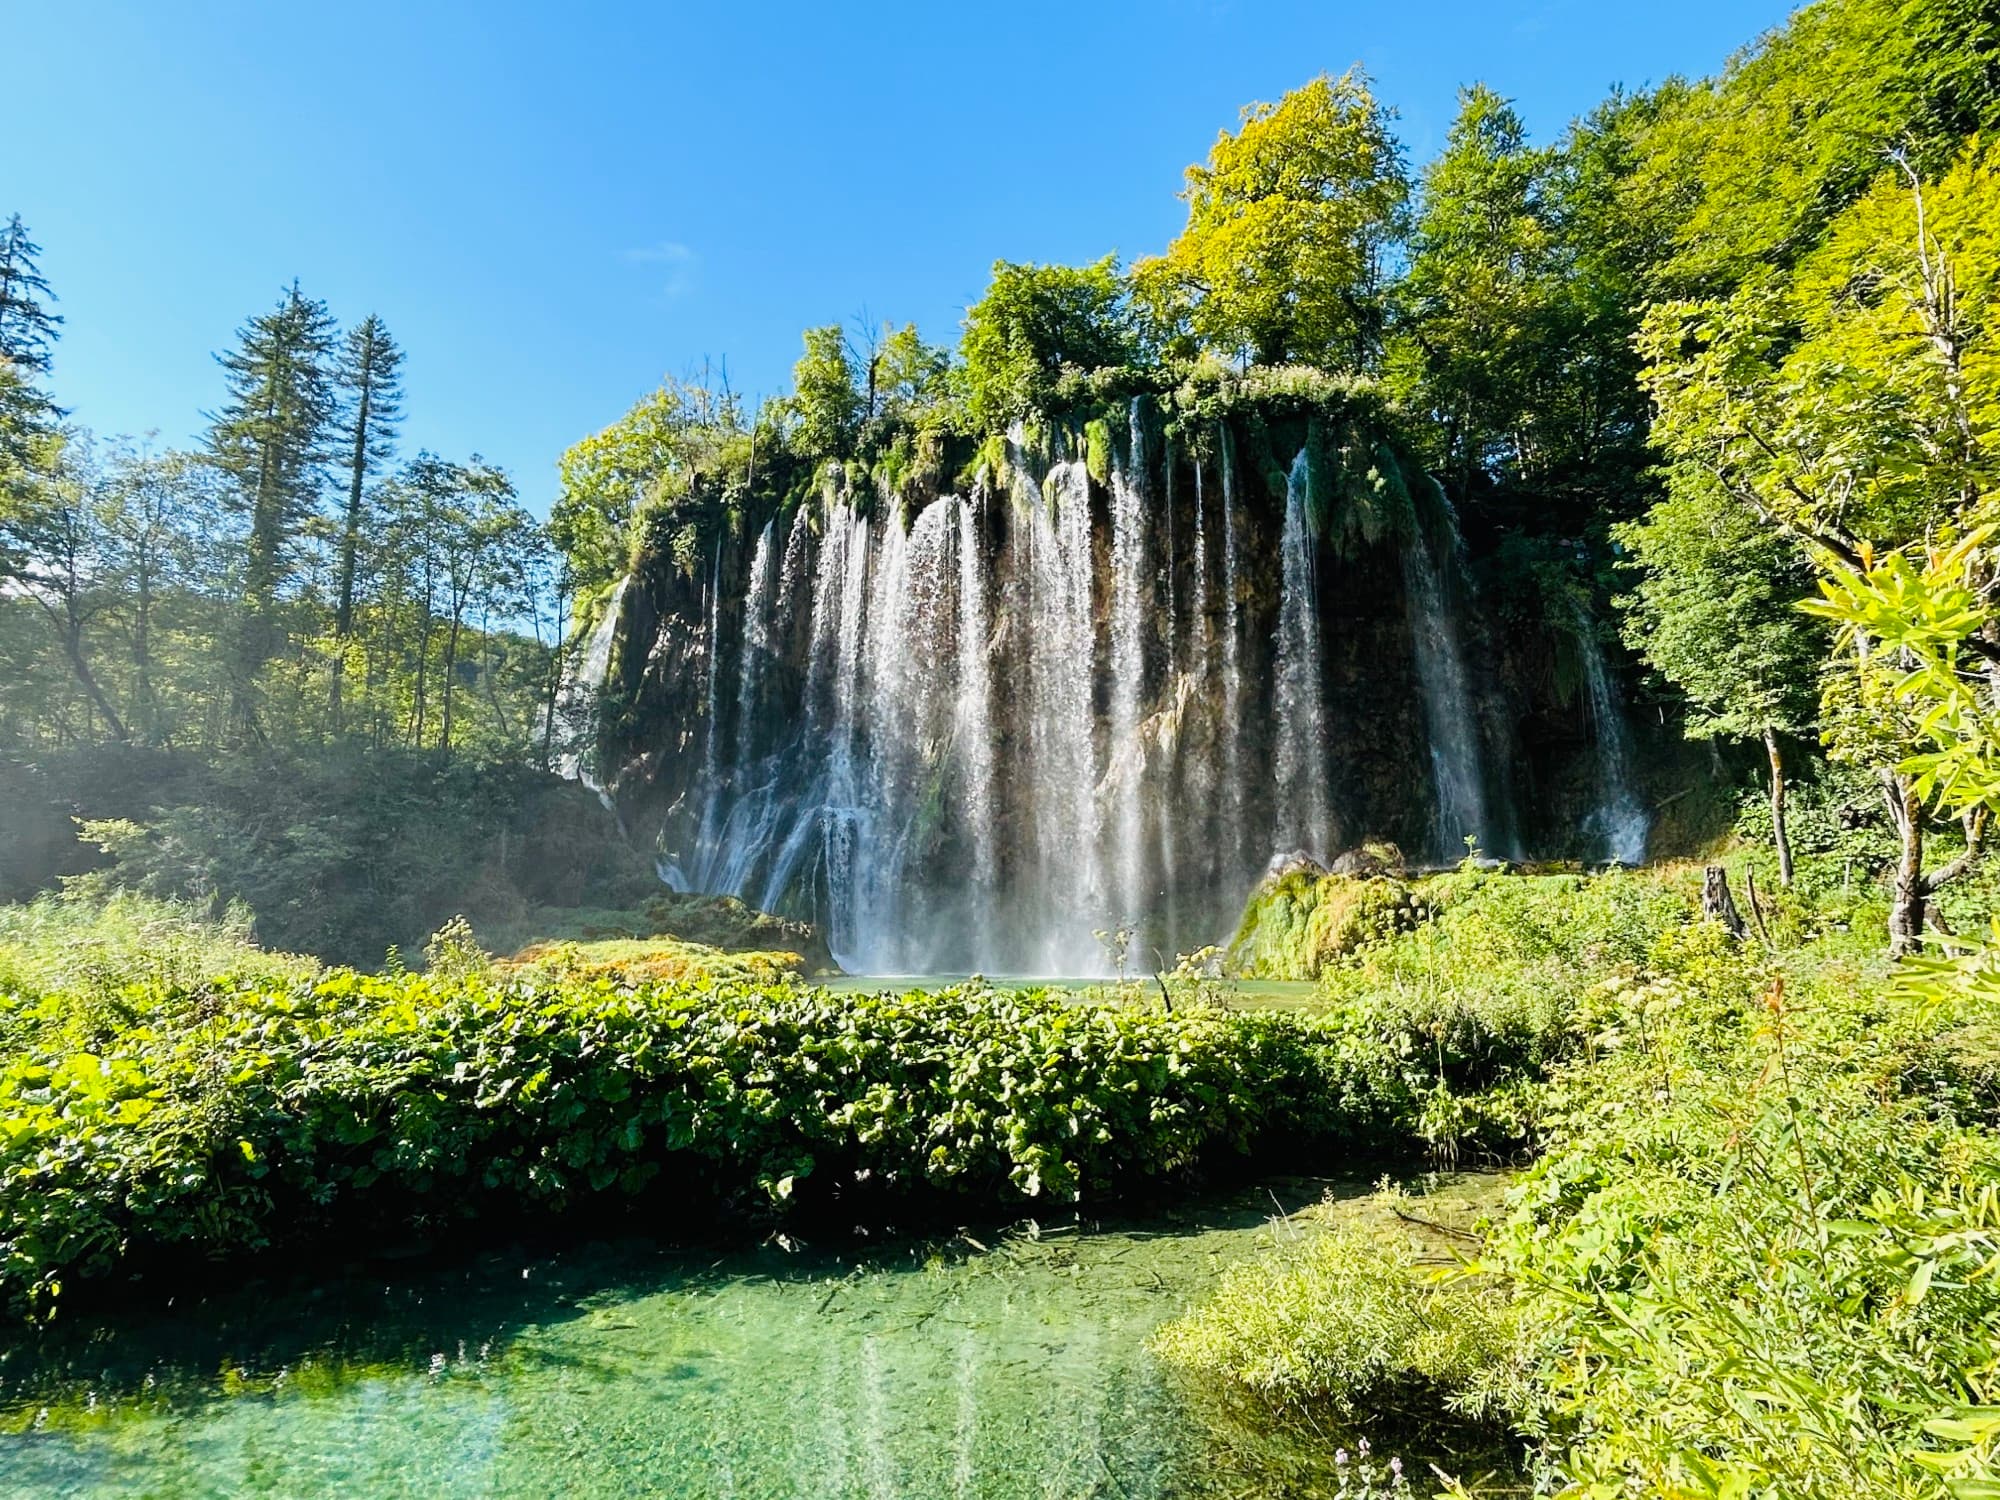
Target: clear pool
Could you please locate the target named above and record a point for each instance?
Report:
(999, 1364)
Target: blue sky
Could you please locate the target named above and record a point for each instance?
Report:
(553, 206)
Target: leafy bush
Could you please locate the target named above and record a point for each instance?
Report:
(1300, 924)
(1342, 1322)
(81, 970)
(224, 1113)
(1720, 1265)
(1757, 1255)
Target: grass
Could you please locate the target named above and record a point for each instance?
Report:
(1758, 1250)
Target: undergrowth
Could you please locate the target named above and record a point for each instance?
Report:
(1758, 1251)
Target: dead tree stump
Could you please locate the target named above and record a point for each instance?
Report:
(1716, 902)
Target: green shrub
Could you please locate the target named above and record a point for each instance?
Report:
(1344, 1323)
(1300, 924)
(1727, 1265)
(237, 1114)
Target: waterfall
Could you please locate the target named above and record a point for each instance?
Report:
(839, 610)
(966, 734)
(1449, 712)
(1231, 844)
(1127, 759)
(757, 602)
(1198, 606)
(973, 729)
(1620, 819)
(1061, 767)
(708, 842)
(577, 698)
(1303, 821)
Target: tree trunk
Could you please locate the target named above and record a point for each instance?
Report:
(87, 679)
(449, 674)
(1716, 902)
(350, 542)
(1909, 890)
(1779, 835)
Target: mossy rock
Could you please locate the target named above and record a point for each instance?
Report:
(1299, 924)
(650, 961)
(725, 923)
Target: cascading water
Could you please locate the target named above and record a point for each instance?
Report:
(1232, 843)
(1126, 773)
(1062, 671)
(1303, 820)
(1620, 820)
(756, 649)
(973, 729)
(577, 699)
(963, 738)
(1457, 775)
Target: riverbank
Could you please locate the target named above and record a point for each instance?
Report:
(199, 1101)
(1754, 1236)
(1755, 1254)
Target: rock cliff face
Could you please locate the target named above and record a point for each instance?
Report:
(1096, 685)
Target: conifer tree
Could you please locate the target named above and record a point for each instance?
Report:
(27, 330)
(370, 376)
(270, 439)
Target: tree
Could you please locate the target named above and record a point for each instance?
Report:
(150, 547)
(369, 373)
(1477, 304)
(57, 545)
(648, 455)
(1511, 340)
(1033, 323)
(28, 330)
(270, 439)
(825, 407)
(1715, 611)
(1288, 225)
(1918, 643)
(907, 375)
(1748, 170)
(457, 519)
(1853, 404)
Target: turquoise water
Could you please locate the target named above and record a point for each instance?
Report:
(1239, 994)
(993, 1365)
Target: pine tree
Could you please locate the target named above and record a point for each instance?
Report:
(270, 439)
(370, 373)
(27, 330)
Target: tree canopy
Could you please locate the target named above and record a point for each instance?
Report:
(1289, 223)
